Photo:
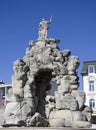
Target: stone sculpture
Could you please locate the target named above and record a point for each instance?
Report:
(28, 103)
(43, 27)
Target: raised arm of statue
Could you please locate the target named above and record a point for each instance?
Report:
(50, 21)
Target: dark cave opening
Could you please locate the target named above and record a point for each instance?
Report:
(42, 83)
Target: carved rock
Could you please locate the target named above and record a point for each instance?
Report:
(27, 104)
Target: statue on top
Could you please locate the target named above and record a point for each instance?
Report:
(43, 28)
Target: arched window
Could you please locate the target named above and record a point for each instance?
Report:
(92, 103)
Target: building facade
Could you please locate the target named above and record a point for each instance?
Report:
(89, 83)
(3, 92)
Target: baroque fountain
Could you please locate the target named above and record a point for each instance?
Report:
(28, 102)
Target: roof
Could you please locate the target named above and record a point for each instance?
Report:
(85, 66)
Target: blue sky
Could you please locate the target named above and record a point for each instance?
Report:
(74, 23)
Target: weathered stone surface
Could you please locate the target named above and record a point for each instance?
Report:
(27, 104)
(50, 105)
(78, 116)
(10, 97)
(12, 108)
(12, 121)
(37, 121)
(66, 53)
(73, 64)
(81, 124)
(64, 85)
(69, 118)
(66, 102)
(56, 122)
(66, 115)
(80, 97)
(87, 112)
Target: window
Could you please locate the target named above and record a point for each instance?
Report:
(92, 103)
(91, 69)
(3, 92)
(91, 85)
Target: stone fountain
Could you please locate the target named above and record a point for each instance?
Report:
(28, 102)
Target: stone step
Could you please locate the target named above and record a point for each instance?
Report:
(44, 128)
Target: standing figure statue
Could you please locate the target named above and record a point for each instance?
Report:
(43, 28)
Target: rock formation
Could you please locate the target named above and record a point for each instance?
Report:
(28, 103)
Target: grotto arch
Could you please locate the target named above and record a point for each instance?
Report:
(42, 83)
(32, 74)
